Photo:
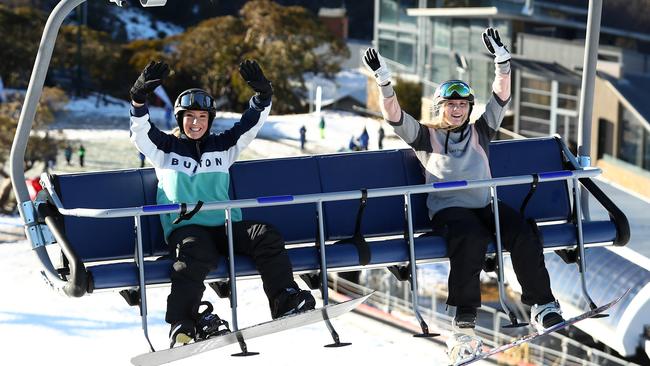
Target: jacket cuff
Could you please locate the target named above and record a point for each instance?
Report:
(259, 104)
(387, 91)
(139, 111)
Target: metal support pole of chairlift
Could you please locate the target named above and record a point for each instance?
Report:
(233, 288)
(514, 323)
(587, 91)
(25, 121)
(582, 265)
(323, 275)
(139, 260)
(414, 273)
(584, 126)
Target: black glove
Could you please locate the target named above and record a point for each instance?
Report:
(253, 75)
(150, 78)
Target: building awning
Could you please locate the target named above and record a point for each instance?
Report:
(547, 70)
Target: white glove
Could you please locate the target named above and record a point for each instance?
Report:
(375, 64)
(495, 46)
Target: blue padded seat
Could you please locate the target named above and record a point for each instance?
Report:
(101, 239)
(278, 177)
(97, 240)
(349, 172)
(520, 157)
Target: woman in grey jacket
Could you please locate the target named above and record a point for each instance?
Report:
(450, 147)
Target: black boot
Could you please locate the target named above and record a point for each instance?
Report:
(465, 317)
(181, 333)
(208, 324)
(290, 301)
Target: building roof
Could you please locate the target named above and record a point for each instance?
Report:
(549, 70)
(634, 93)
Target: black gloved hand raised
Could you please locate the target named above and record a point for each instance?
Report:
(252, 73)
(151, 77)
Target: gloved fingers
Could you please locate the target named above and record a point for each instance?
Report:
(488, 44)
(246, 70)
(497, 38)
(162, 70)
(149, 66)
(258, 74)
(152, 84)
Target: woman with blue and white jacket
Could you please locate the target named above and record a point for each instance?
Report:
(193, 166)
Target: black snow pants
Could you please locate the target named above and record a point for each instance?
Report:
(198, 248)
(468, 233)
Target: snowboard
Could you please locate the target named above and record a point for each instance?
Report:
(533, 336)
(273, 326)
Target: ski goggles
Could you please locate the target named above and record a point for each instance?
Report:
(197, 100)
(455, 89)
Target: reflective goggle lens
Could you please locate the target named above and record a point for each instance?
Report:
(197, 101)
(447, 90)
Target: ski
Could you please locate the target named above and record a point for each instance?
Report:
(536, 335)
(270, 327)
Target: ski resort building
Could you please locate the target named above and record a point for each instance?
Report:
(433, 41)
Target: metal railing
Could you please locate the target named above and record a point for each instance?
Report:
(571, 352)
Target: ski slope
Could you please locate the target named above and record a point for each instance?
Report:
(43, 327)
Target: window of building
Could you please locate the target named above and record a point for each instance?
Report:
(538, 84)
(405, 53)
(630, 146)
(476, 29)
(403, 17)
(388, 11)
(480, 78)
(387, 48)
(567, 127)
(539, 115)
(532, 96)
(460, 35)
(442, 34)
(505, 30)
(605, 138)
(440, 67)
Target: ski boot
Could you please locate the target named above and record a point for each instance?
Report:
(545, 316)
(209, 325)
(181, 333)
(463, 345)
(290, 301)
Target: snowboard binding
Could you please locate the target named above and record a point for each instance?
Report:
(208, 324)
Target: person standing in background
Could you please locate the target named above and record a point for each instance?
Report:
(380, 138)
(142, 158)
(303, 137)
(364, 139)
(321, 125)
(82, 153)
(68, 154)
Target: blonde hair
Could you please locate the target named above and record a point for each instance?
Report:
(177, 132)
(436, 118)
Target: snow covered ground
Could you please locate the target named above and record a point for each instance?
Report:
(42, 327)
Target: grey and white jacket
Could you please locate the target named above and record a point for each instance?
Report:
(454, 155)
